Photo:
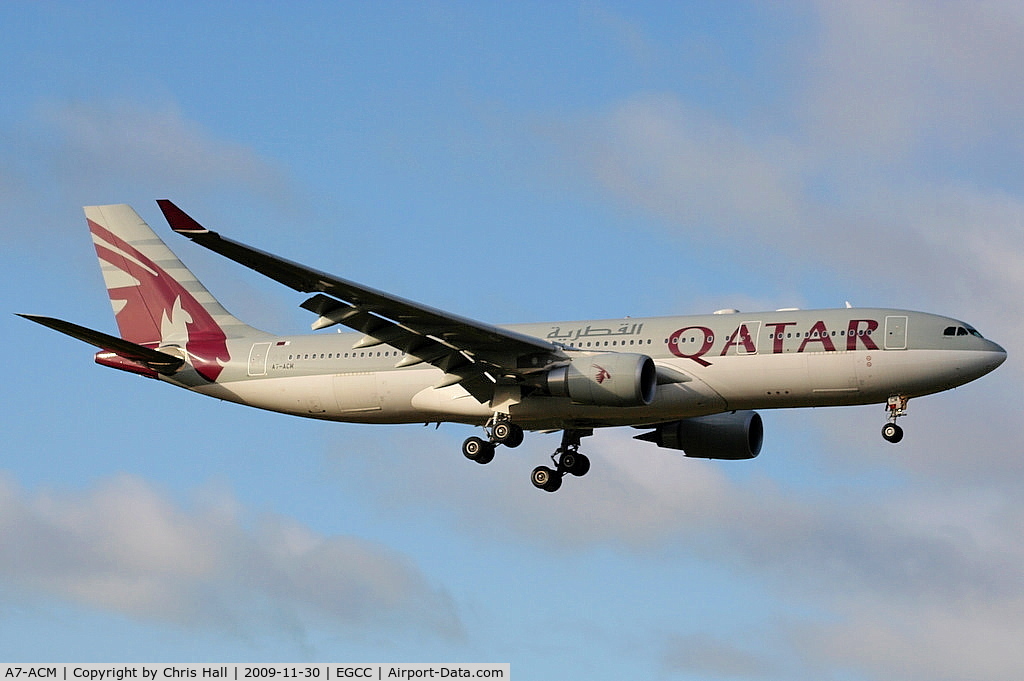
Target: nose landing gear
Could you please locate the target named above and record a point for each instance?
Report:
(897, 407)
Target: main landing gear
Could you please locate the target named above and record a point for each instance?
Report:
(500, 431)
(567, 459)
(897, 407)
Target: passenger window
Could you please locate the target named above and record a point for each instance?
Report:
(961, 331)
(950, 331)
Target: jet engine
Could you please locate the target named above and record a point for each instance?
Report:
(607, 379)
(733, 435)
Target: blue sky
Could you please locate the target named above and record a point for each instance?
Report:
(517, 162)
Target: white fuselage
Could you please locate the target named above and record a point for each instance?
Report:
(707, 364)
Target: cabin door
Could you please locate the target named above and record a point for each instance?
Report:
(896, 333)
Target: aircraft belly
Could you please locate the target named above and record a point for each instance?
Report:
(357, 393)
(917, 372)
(450, 401)
(299, 395)
(787, 380)
(368, 397)
(841, 378)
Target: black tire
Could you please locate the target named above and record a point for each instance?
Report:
(546, 479)
(580, 464)
(486, 454)
(508, 434)
(516, 438)
(892, 432)
(473, 447)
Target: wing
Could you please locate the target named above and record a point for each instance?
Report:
(471, 353)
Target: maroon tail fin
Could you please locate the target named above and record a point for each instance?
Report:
(157, 301)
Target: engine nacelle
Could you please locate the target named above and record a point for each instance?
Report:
(733, 435)
(607, 379)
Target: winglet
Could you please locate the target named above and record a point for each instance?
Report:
(180, 221)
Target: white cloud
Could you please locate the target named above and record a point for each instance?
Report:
(709, 657)
(686, 166)
(895, 79)
(933, 642)
(121, 141)
(73, 153)
(857, 559)
(124, 548)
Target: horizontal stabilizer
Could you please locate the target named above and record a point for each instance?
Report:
(160, 362)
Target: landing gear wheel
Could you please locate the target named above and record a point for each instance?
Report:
(892, 432)
(546, 479)
(476, 449)
(575, 463)
(508, 434)
(486, 454)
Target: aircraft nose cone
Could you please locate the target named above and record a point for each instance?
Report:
(994, 355)
(998, 354)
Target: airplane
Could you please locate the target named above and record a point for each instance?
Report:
(691, 382)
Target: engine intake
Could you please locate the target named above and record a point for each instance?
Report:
(733, 436)
(607, 379)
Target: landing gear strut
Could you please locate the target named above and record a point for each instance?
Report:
(567, 459)
(500, 431)
(897, 407)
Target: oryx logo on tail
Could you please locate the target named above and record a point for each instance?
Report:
(152, 307)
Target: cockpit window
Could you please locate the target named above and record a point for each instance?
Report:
(961, 331)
